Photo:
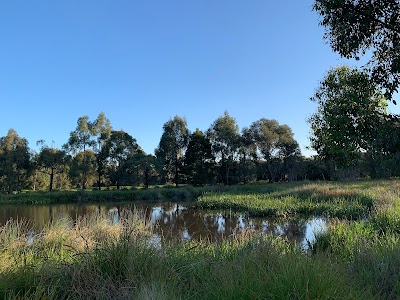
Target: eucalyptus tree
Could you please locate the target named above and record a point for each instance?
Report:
(52, 162)
(172, 146)
(15, 163)
(90, 135)
(274, 144)
(120, 146)
(225, 140)
(82, 171)
(247, 147)
(355, 27)
(352, 124)
(142, 168)
(80, 140)
(351, 108)
(101, 131)
(199, 160)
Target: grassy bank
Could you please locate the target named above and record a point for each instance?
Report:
(370, 255)
(341, 199)
(95, 259)
(92, 196)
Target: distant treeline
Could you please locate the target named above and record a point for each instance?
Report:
(97, 156)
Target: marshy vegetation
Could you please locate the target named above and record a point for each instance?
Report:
(96, 258)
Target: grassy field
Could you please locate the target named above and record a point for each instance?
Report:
(358, 256)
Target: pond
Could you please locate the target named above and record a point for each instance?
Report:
(177, 220)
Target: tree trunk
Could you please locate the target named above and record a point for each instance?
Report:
(99, 181)
(146, 178)
(226, 174)
(176, 171)
(244, 169)
(51, 179)
(137, 175)
(270, 174)
(84, 168)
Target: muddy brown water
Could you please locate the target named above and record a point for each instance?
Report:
(177, 220)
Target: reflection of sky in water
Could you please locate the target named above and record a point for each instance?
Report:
(313, 227)
(156, 214)
(113, 212)
(30, 237)
(174, 220)
(251, 225)
(185, 235)
(155, 241)
(241, 224)
(221, 224)
(279, 230)
(265, 226)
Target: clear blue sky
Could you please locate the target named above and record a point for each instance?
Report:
(142, 62)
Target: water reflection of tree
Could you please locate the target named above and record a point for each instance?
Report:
(295, 230)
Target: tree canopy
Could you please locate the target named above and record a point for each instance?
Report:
(348, 121)
(14, 162)
(273, 143)
(225, 140)
(52, 161)
(354, 27)
(119, 147)
(198, 161)
(172, 146)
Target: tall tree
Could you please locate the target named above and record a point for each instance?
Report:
(101, 131)
(347, 122)
(79, 141)
(172, 146)
(83, 169)
(142, 168)
(199, 160)
(274, 144)
(355, 26)
(247, 147)
(14, 162)
(52, 162)
(225, 140)
(120, 146)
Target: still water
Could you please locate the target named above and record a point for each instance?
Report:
(176, 220)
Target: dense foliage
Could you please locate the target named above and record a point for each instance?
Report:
(351, 128)
(355, 27)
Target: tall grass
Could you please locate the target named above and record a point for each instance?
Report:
(96, 259)
(333, 200)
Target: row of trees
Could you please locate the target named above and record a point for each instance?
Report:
(96, 155)
(226, 155)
